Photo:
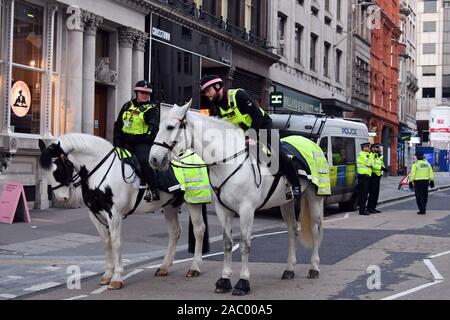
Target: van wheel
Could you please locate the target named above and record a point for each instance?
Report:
(351, 205)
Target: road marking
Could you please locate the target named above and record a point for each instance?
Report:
(436, 274)
(7, 296)
(439, 254)
(267, 234)
(347, 215)
(132, 273)
(77, 297)
(100, 290)
(42, 286)
(404, 293)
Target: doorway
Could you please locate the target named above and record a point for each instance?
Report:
(100, 110)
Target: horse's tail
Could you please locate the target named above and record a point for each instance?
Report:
(191, 241)
(306, 225)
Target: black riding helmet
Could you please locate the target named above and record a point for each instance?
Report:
(211, 80)
(143, 86)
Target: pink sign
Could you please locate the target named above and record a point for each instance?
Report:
(13, 204)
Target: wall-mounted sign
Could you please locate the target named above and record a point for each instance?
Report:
(276, 99)
(161, 34)
(20, 98)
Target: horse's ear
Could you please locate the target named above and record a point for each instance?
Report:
(186, 107)
(42, 145)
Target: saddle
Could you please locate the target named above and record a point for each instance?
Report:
(166, 180)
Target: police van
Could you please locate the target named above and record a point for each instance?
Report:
(340, 139)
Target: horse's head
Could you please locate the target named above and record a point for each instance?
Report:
(172, 137)
(58, 167)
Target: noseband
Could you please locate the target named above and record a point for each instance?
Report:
(67, 166)
(175, 141)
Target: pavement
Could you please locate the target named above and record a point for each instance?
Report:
(44, 253)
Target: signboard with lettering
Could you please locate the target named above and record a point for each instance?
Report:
(294, 100)
(276, 99)
(13, 204)
(161, 34)
(20, 98)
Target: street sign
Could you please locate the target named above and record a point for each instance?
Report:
(13, 204)
(276, 99)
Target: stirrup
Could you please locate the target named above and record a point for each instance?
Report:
(151, 195)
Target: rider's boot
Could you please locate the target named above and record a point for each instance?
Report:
(151, 195)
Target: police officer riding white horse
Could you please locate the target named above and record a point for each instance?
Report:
(135, 129)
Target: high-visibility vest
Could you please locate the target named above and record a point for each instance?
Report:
(421, 170)
(318, 164)
(233, 114)
(133, 119)
(194, 181)
(364, 163)
(377, 164)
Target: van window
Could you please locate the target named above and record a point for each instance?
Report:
(343, 150)
(324, 146)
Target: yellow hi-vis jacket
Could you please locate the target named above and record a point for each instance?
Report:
(377, 164)
(364, 163)
(421, 170)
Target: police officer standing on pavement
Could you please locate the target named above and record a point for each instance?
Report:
(239, 108)
(135, 129)
(377, 171)
(364, 168)
(421, 177)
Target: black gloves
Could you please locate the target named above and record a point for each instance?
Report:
(411, 185)
(384, 169)
(432, 184)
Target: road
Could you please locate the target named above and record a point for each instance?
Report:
(396, 254)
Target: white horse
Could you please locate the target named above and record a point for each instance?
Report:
(238, 191)
(110, 198)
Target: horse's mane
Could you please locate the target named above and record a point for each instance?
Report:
(214, 122)
(82, 142)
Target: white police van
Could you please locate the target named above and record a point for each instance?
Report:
(340, 140)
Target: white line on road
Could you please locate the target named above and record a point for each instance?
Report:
(77, 297)
(100, 290)
(132, 273)
(439, 254)
(404, 293)
(42, 286)
(7, 296)
(436, 274)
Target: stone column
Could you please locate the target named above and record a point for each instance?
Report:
(124, 88)
(91, 24)
(138, 55)
(74, 91)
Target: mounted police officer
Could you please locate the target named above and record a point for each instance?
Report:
(239, 108)
(374, 182)
(135, 129)
(364, 168)
(421, 177)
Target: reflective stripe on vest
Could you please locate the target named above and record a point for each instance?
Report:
(421, 170)
(377, 162)
(364, 163)
(194, 181)
(133, 119)
(318, 164)
(233, 114)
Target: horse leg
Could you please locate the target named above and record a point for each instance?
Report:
(314, 209)
(106, 239)
(246, 217)
(223, 285)
(199, 228)
(174, 227)
(288, 212)
(115, 226)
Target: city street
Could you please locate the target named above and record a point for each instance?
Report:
(410, 252)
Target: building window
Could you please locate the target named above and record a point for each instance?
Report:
(338, 65)
(27, 71)
(327, 5)
(428, 92)
(298, 43)
(429, 70)
(338, 10)
(445, 92)
(429, 6)
(312, 59)
(429, 48)
(300, 2)
(429, 26)
(234, 13)
(187, 63)
(343, 151)
(326, 59)
(281, 33)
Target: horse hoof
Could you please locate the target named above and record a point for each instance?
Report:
(241, 288)
(239, 292)
(313, 274)
(161, 272)
(223, 285)
(115, 285)
(192, 274)
(288, 275)
(105, 280)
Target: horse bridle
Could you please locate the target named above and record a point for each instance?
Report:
(175, 141)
